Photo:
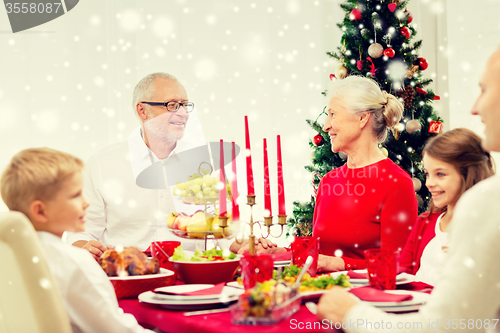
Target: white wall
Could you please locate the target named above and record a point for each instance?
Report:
(473, 35)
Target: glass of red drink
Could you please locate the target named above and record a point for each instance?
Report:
(382, 267)
(303, 247)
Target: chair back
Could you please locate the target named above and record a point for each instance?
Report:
(29, 298)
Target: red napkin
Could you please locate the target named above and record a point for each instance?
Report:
(415, 286)
(215, 290)
(370, 294)
(282, 256)
(355, 275)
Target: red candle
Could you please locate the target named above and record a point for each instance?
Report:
(222, 191)
(281, 187)
(234, 188)
(267, 187)
(251, 190)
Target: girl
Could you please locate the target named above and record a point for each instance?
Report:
(453, 162)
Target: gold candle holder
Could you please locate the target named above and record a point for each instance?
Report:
(282, 220)
(223, 221)
(268, 220)
(251, 199)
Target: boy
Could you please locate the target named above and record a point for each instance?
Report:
(46, 185)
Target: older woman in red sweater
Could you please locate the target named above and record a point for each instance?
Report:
(369, 202)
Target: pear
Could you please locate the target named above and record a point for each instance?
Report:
(200, 225)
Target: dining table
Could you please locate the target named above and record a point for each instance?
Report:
(155, 317)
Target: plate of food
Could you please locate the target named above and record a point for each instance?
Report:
(205, 267)
(131, 272)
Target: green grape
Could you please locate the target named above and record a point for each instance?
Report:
(207, 189)
(195, 188)
(198, 181)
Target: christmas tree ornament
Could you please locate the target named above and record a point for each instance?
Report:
(375, 50)
(409, 19)
(435, 127)
(413, 126)
(389, 52)
(405, 32)
(355, 14)
(417, 184)
(318, 140)
(359, 64)
(407, 94)
(422, 63)
(392, 7)
(421, 91)
(412, 71)
(420, 201)
(373, 70)
(341, 72)
(436, 98)
(384, 151)
(332, 76)
(342, 155)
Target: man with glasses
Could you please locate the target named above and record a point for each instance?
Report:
(121, 212)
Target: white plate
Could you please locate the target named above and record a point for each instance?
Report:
(400, 278)
(228, 296)
(185, 288)
(418, 300)
(282, 263)
(235, 284)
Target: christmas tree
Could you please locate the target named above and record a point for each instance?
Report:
(377, 42)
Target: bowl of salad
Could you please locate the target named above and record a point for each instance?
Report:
(205, 267)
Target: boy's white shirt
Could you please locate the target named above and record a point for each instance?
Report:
(88, 295)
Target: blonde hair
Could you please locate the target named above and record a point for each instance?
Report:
(145, 88)
(361, 95)
(36, 174)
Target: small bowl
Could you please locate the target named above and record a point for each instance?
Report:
(210, 272)
(132, 286)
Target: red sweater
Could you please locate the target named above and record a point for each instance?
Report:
(363, 208)
(422, 233)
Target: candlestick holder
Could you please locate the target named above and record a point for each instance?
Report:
(268, 222)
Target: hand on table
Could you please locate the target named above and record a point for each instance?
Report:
(262, 245)
(330, 264)
(335, 304)
(95, 248)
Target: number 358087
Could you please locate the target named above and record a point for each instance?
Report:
(32, 8)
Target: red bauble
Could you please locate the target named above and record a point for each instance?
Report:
(389, 52)
(359, 64)
(421, 91)
(392, 7)
(405, 32)
(318, 140)
(409, 19)
(355, 14)
(422, 62)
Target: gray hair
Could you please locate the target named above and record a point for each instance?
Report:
(361, 94)
(144, 90)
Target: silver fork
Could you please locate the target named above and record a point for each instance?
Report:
(313, 307)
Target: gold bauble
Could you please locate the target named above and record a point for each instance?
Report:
(341, 72)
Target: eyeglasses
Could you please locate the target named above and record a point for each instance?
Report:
(174, 106)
